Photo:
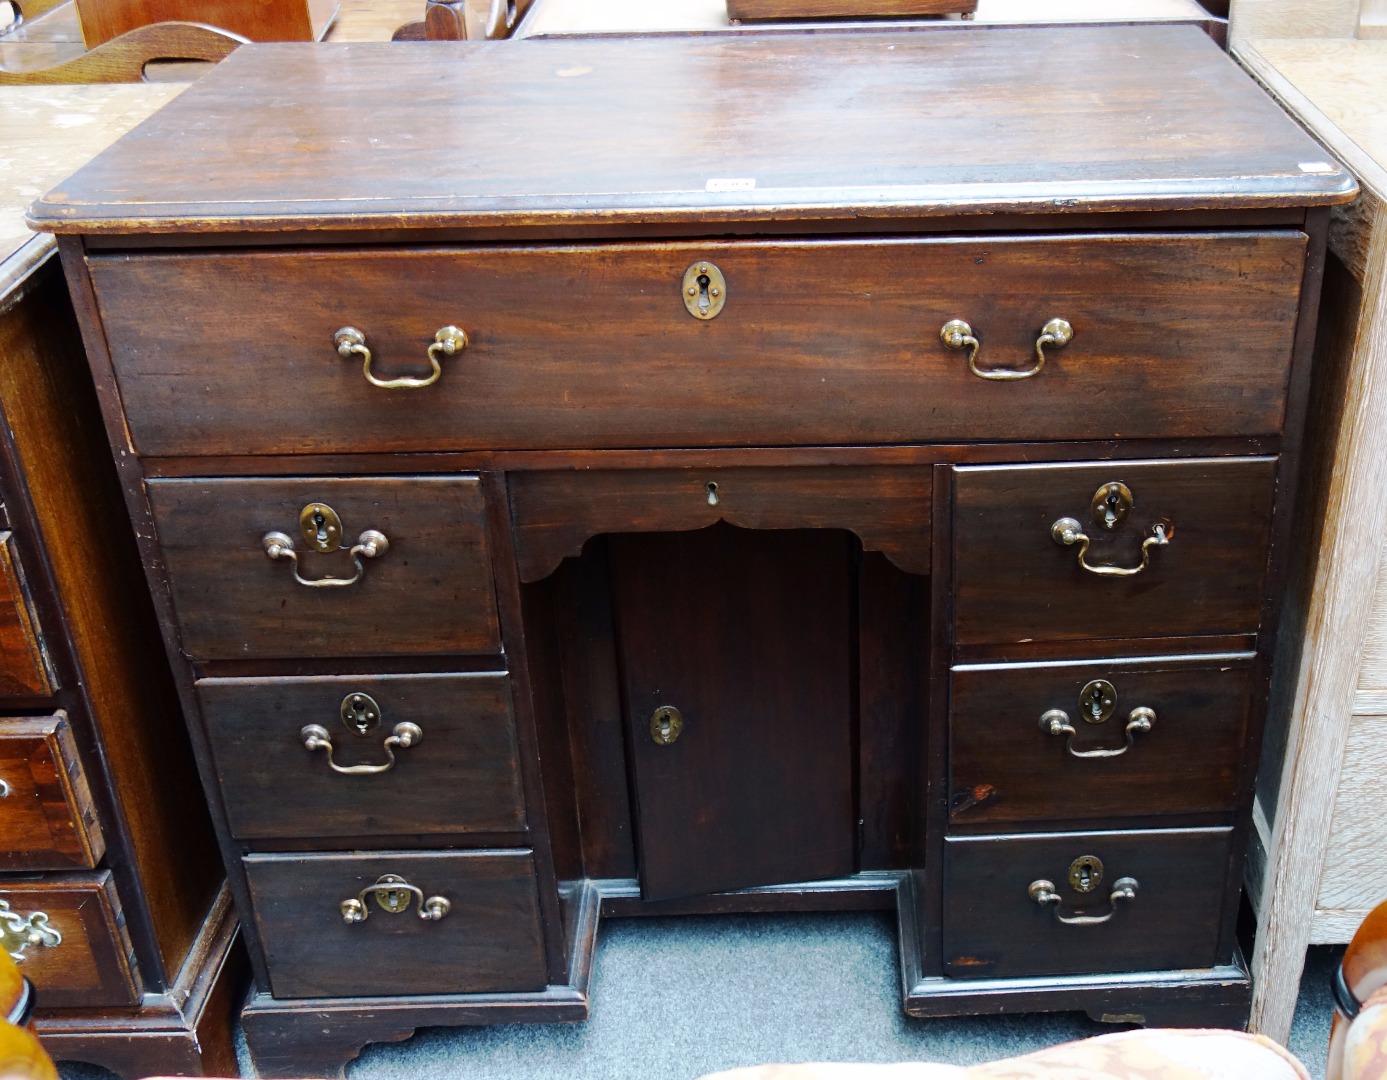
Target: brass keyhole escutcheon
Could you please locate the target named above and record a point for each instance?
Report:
(704, 290)
(1086, 873)
(666, 723)
(1111, 504)
(321, 527)
(393, 900)
(360, 713)
(1097, 701)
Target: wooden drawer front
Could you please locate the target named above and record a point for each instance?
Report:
(1014, 582)
(47, 818)
(488, 941)
(92, 964)
(1006, 767)
(555, 513)
(461, 775)
(993, 926)
(826, 342)
(429, 592)
(23, 672)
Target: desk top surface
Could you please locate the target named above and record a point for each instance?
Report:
(746, 129)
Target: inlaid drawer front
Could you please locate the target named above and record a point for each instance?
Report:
(47, 818)
(809, 343)
(388, 923)
(1121, 549)
(361, 756)
(306, 567)
(1125, 738)
(1075, 903)
(67, 932)
(23, 671)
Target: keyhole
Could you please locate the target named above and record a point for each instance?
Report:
(1085, 879)
(320, 523)
(1110, 514)
(362, 716)
(712, 489)
(1095, 705)
(703, 299)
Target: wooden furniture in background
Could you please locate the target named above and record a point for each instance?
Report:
(111, 891)
(282, 20)
(780, 10)
(671, 498)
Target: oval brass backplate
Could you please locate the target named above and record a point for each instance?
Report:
(360, 713)
(704, 290)
(1086, 873)
(666, 723)
(1111, 504)
(393, 900)
(1097, 700)
(321, 527)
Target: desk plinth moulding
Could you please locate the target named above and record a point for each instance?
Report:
(844, 494)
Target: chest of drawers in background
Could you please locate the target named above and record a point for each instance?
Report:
(845, 494)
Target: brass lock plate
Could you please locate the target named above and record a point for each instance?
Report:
(666, 723)
(1097, 701)
(393, 900)
(704, 290)
(321, 527)
(1111, 504)
(1085, 873)
(360, 713)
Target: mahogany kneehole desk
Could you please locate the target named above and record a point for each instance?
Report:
(868, 489)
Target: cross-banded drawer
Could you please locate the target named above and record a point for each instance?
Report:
(47, 818)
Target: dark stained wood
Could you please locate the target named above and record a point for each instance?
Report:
(992, 927)
(23, 670)
(749, 635)
(93, 963)
(1014, 582)
(47, 820)
(1005, 770)
(617, 361)
(489, 941)
(789, 116)
(283, 20)
(768, 10)
(868, 891)
(125, 58)
(462, 777)
(430, 592)
(555, 513)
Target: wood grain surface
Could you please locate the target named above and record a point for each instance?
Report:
(47, 820)
(267, 20)
(23, 667)
(1354, 877)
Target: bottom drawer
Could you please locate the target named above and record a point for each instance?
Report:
(331, 927)
(1000, 919)
(70, 933)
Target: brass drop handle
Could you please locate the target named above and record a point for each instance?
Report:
(19, 932)
(1043, 892)
(394, 894)
(321, 528)
(957, 334)
(351, 342)
(1056, 722)
(404, 735)
(1067, 532)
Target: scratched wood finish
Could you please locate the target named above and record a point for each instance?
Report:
(23, 671)
(462, 777)
(431, 592)
(1013, 582)
(992, 927)
(49, 821)
(1005, 770)
(819, 343)
(489, 940)
(555, 513)
(265, 20)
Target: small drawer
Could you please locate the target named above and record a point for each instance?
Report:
(1076, 903)
(827, 342)
(354, 775)
(23, 670)
(1030, 743)
(886, 506)
(351, 925)
(427, 589)
(70, 931)
(1036, 561)
(47, 818)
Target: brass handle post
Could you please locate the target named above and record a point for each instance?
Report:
(404, 735)
(957, 334)
(394, 894)
(369, 545)
(350, 343)
(1056, 722)
(19, 932)
(1067, 532)
(1043, 893)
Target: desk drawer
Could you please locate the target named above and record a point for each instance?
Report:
(1175, 730)
(1016, 581)
(998, 923)
(47, 819)
(429, 591)
(819, 343)
(488, 939)
(459, 775)
(23, 671)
